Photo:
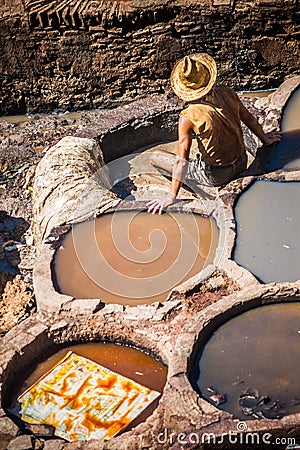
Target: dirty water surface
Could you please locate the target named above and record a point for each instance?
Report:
(134, 257)
(250, 365)
(286, 154)
(268, 223)
(290, 117)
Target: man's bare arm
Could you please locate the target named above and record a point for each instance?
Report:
(185, 134)
(251, 122)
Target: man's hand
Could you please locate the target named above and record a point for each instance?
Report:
(273, 136)
(158, 205)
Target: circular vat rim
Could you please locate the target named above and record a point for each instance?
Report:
(219, 422)
(229, 197)
(42, 336)
(49, 299)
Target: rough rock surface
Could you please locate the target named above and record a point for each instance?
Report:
(71, 184)
(63, 55)
(16, 302)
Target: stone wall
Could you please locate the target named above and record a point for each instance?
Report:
(70, 54)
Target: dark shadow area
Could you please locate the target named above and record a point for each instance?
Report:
(286, 154)
(259, 165)
(140, 134)
(124, 189)
(11, 231)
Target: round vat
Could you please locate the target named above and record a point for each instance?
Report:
(244, 358)
(268, 221)
(291, 110)
(106, 384)
(287, 153)
(120, 169)
(249, 366)
(132, 257)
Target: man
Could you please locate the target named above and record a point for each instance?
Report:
(214, 114)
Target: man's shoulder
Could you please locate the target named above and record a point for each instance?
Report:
(192, 111)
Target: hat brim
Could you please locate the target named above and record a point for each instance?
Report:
(186, 93)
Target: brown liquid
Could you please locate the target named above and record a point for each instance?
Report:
(24, 118)
(268, 224)
(258, 349)
(17, 119)
(127, 361)
(134, 257)
(257, 93)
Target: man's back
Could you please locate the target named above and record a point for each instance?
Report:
(217, 121)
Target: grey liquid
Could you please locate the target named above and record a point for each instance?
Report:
(134, 257)
(268, 237)
(258, 349)
(291, 114)
(286, 154)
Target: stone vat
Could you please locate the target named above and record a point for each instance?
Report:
(213, 426)
(183, 419)
(50, 299)
(72, 184)
(42, 335)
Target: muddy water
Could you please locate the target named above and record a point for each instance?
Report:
(287, 153)
(268, 224)
(21, 119)
(134, 257)
(258, 349)
(126, 361)
(259, 94)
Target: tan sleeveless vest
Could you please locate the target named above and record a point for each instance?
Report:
(219, 132)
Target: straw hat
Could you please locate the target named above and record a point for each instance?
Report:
(193, 76)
